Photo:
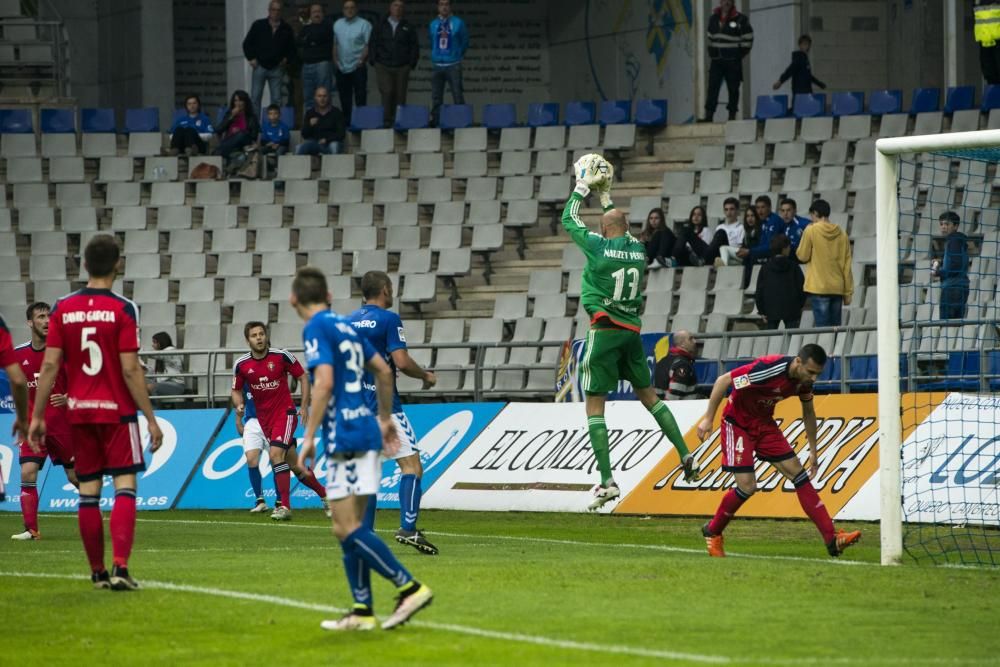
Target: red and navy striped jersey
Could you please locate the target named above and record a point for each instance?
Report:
(759, 386)
(267, 379)
(93, 327)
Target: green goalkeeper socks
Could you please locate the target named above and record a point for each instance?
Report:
(599, 441)
(661, 413)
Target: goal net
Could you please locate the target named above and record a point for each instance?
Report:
(938, 356)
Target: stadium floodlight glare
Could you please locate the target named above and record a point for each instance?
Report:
(896, 162)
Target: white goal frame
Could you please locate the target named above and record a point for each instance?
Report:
(887, 152)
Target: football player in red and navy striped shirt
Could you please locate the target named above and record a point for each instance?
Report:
(748, 427)
(94, 335)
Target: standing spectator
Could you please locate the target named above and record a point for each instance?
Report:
(239, 127)
(315, 41)
(269, 46)
(800, 71)
(953, 268)
(987, 32)
(660, 242)
(190, 133)
(449, 42)
(733, 255)
(730, 39)
(323, 128)
(674, 375)
(830, 279)
(350, 54)
(168, 368)
(780, 292)
(395, 51)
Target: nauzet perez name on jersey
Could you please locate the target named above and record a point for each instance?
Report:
(634, 256)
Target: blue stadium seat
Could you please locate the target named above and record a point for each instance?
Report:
(959, 98)
(771, 106)
(808, 106)
(58, 121)
(885, 101)
(581, 113)
(994, 369)
(412, 117)
(15, 121)
(499, 116)
(456, 116)
(848, 104)
(142, 120)
(366, 118)
(829, 379)
(959, 364)
(991, 97)
(924, 100)
(735, 363)
(863, 368)
(651, 113)
(616, 112)
(97, 120)
(543, 114)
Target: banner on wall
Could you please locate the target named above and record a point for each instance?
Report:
(10, 468)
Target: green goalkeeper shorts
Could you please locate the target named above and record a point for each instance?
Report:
(610, 355)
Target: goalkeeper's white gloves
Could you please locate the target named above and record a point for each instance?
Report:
(605, 194)
(593, 172)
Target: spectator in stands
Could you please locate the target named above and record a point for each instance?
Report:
(674, 375)
(734, 255)
(758, 253)
(190, 133)
(792, 224)
(800, 71)
(323, 128)
(239, 127)
(351, 35)
(168, 368)
(274, 135)
(660, 241)
(269, 46)
(953, 268)
(830, 279)
(729, 233)
(730, 39)
(693, 239)
(395, 50)
(315, 42)
(449, 42)
(766, 213)
(780, 293)
(987, 32)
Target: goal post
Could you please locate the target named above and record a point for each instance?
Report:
(888, 188)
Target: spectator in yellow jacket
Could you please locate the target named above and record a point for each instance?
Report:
(829, 279)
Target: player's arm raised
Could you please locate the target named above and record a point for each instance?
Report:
(809, 422)
(46, 379)
(719, 389)
(135, 380)
(383, 390)
(587, 179)
(322, 390)
(406, 365)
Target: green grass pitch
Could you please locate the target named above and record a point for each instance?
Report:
(229, 588)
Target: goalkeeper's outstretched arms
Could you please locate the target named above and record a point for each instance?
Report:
(593, 173)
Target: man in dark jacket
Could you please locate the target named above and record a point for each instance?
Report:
(316, 49)
(780, 294)
(953, 268)
(674, 375)
(730, 39)
(268, 46)
(395, 50)
(323, 127)
(800, 71)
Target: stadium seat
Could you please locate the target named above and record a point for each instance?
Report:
(167, 194)
(615, 112)
(741, 131)
(470, 139)
(499, 116)
(893, 125)
(966, 120)
(433, 190)
(426, 165)
(882, 102)
(211, 193)
(57, 121)
(854, 127)
(580, 113)
(455, 116)
(256, 192)
(710, 156)
(377, 140)
(777, 130)
(523, 213)
(160, 169)
(487, 238)
(677, 183)
(515, 139)
(423, 140)
(517, 188)
(847, 104)
(389, 190)
(651, 113)
(403, 214)
(346, 191)
(928, 122)
(79, 219)
(543, 114)
(809, 106)
(447, 213)
(310, 215)
(272, 240)
(382, 166)
(789, 154)
(583, 137)
(553, 188)
(142, 120)
(219, 217)
(506, 307)
(959, 98)
(618, 137)
(115, 169)
(924, 100)
(797, 179)
(447, 237)
(123, 194)
(991, 97)
(359, 214)
(411, 117)
(747, 155)
(484, 212)
(771, 106)
(754, 181)
(294, 167)
(301, 192)
(550, 137)
(515, 163)
(367, 118)
(24, 170)
(338, 166)
(816, 130)
(16, 121)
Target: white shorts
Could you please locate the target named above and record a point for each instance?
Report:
(356, 474)
(407, 438)
(253, 437)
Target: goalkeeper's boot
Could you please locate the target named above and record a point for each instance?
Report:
(360, 618)
(604, 495)
(692, 471)
(841, 541)
(713, 542)
(26, 536)
(101, 580)
(414, 597)
(259, 507)
(416, 539)
(121, 580)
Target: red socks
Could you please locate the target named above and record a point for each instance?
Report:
(282, 483)
(92, 531)
(813, 506)
(123, 526)
(29, 505)
(731, 503)
(309, 479)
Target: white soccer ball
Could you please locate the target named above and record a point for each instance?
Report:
(594, 169)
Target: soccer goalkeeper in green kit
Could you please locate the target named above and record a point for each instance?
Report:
(612, 296)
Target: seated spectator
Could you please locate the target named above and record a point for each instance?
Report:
(674, 376)
(953, 268)
(659, 240)
(323, 128)
(800, 71)
(729, 233)
(239, 127)
(167, 368)
(733, 255)
(830, 278)
(190, 133)
(780, 293)
(794, 224)
(274, 135)
(693, 238)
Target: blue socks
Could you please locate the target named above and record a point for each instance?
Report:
(358, 575)
(368, 520)
(409, 501)
(366, 545)
(258, 491)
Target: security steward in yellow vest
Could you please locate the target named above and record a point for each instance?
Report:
(987, 32)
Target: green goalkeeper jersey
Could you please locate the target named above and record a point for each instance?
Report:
(612, 279)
